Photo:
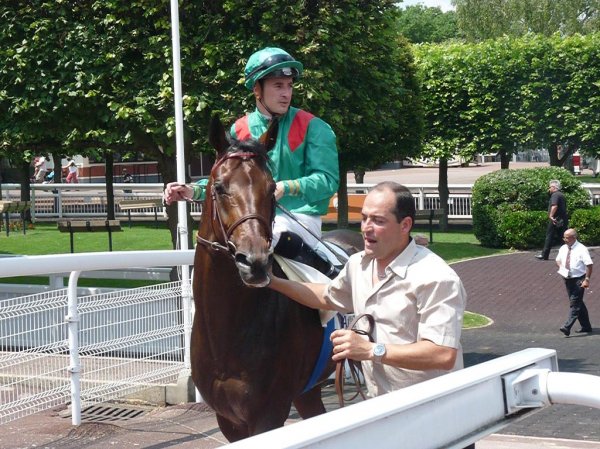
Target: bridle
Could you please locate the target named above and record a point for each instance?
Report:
(228, 246)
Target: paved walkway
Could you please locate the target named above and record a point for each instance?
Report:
(524, 297)
(527, 300)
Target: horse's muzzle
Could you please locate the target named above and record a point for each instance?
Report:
(254, 268)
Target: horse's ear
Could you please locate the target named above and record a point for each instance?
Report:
(269, 138)
(216, 135)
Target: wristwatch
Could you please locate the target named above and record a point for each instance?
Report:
(378, 352)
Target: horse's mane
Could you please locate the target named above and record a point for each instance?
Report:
(250, 146)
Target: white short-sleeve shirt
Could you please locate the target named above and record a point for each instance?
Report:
(580, 258)
(421, 298)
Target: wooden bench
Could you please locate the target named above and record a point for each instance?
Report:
(355, 203)
(9, 207)
(72, 226)
(129, 205)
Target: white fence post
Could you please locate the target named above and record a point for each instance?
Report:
(75, 364)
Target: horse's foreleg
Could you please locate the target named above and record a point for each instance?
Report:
(233, 432)
(309, 404)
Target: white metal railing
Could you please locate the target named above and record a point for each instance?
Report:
(56, 347)
(450, 411)
(52, 201)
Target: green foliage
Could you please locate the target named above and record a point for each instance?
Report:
(485, 19)
(500, 193)
(587, 224)
(420, 24)
(486, 221)
(511, 94)
(521, 229)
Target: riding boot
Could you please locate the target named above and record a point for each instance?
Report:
(311, 257)
(292, 246)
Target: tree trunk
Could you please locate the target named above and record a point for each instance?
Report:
(25, 182)
(444, 193)
(110, 193)
(57, 157)
(343, 200)
(504, 159)
(359, 176)
(553, 154)
(560, 157)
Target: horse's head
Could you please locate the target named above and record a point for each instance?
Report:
(240, 203)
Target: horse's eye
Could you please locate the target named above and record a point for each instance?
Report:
(220, 188)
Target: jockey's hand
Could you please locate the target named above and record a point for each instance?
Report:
(348, 344)
(177, 192)
(279, 189)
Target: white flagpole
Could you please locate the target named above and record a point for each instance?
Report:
(182, 230)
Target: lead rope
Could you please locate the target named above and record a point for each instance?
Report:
(354, 366)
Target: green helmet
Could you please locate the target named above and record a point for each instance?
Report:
(271, 61)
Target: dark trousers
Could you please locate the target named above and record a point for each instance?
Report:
(577, 308)
(553, 233)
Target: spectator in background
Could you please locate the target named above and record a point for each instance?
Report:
(73, 171)
(127, 179)
(41, 168)
(575, 265)
(558, 221)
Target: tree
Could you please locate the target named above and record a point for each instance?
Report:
(490, 19)
(442, 72)
(511, 93)
(420, 24)
(98, 76)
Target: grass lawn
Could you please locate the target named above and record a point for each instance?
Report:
(588, 179)
(45, 238)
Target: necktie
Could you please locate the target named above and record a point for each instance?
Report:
(568, 261)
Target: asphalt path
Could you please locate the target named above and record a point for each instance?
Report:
(429, 175)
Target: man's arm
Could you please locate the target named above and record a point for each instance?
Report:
(305, 293)
(422, 355)
(551, 214)
(588, 275)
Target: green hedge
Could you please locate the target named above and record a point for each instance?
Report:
(498, 197)
(587, 224)
(521, 229)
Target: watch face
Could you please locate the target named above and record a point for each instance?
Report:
(379, 350)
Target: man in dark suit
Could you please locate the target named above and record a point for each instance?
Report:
(557, 218)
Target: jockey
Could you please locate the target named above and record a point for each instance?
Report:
(304, 160)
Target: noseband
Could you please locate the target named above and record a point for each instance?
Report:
(229, 247)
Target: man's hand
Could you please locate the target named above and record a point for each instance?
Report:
(177, 192)
(348, 344)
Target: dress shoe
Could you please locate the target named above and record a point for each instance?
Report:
(565, 331)
(584, 331)
(540, 257)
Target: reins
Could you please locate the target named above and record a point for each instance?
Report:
(354, 366)
(307, 229)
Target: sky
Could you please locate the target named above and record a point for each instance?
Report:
(445, 5)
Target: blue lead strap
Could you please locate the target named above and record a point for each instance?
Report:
(324, 355)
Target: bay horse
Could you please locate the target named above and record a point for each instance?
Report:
(252, 349)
